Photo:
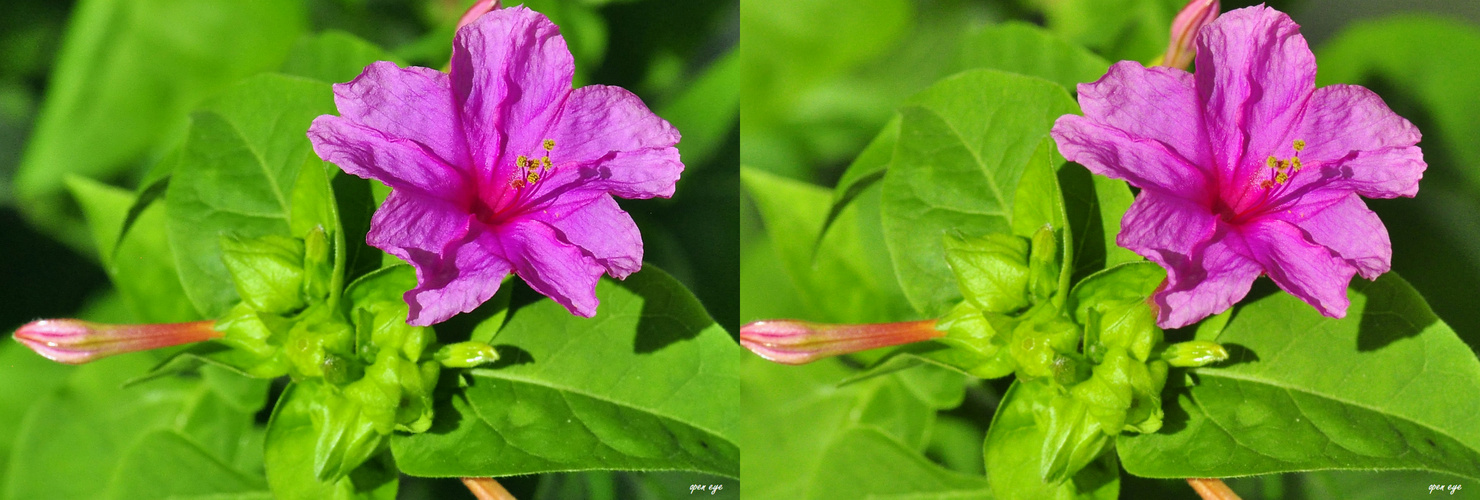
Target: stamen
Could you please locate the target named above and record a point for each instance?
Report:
(1266, 184)
(522, 161)
(533, 177)
(1281, 178)
(1299, 145)
(549, 144)
(546, 163)
(1272, 162)
(1296, 163)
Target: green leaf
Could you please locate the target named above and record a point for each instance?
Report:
(139, 264)
(649, 383)
(963, 145)
(1121, 29)
(845, 277)
(1388, 387)
(865, 171)
(333, 56)
(1095, 205)
(864, 462)
(88, 427)
(1023, 48)
(166, 464)
(807, 437)
(289, 457)
(127, 74)
(28, 378)
(1014, 451)
(1425, 56)
(241, 161)
(707, 111)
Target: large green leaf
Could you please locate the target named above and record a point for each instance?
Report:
(1388, 387)
(1014, 452)
(240, 163)
(807, 437)
(333, 56)
(649, 383)
(140, 263)
(89, 427)
(1095, 205)
(165, 464)
(1026, 49)
(844, 277)
(289, 457)
(963, 145)
(1121, 29)
(127, 74)
(28, 379)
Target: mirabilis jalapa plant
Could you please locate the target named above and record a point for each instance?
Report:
(1245, 169)
(496, 167)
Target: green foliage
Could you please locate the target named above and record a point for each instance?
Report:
(1017, 448)
(1388, 387)
(139, 262)
(662, 396)
(844, 441)
(129, 72)
(237, 176)
(956, 165)
(844, 274)
(90, 426)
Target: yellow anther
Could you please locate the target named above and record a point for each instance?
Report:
(1299, 145)
(1280, 178)
(1295, 162)
(545, 162)
(533, 177)
(1272, 162)
(519, 183)
(1266, 184)
(1281, 165)
(549, 144)
(522, 161)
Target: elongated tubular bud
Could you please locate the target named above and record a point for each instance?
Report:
(1183, 45)
(795, 342)
(75, 342)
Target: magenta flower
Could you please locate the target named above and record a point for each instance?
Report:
(501, 167)
(1246, 168)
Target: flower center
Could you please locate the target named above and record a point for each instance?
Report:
(531, 168)
(1272, 188)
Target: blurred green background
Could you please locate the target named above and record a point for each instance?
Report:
(822, 77)
(103, 88)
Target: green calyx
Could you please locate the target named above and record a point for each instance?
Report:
(1097, 352)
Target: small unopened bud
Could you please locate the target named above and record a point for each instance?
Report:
(478, 9)
(1043, 265)
(75, 342)
(1194, 353)
(795, 342)
(1183, 45)
(465, 354)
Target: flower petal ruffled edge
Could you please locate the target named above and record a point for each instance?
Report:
(411, 103)
(1301, 267)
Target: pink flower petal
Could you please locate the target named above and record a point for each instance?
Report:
(1214, 278)
(1350, 229)
(1165, 228)
(1302, 267)
(604, 232)
(1112, 152)
(406, 103)
(557, 269)
(458, 281)
(400, 163)
(1254, 75)
(417, 229)
(1156, 103)
(511, 73)
(601, 124)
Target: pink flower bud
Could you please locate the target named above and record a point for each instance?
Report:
(795, 342)
(75, 342)
(480, 8)
(1189, 21)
